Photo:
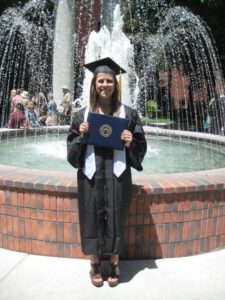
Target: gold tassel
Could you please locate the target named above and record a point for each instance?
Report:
(120, 85)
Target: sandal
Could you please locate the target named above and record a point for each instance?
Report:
(114, 275)
(96, 277)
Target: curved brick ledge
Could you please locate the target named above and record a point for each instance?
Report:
(171, 215)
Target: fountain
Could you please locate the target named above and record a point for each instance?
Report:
(172, 214)
(26, 39)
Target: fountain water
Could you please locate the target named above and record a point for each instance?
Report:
(116, 45)
(26, 39)
(178, 60)
(63, 60)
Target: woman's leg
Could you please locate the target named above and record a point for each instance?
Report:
(95, 273)
(114, 275)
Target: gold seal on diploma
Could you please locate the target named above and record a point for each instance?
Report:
(105, 130)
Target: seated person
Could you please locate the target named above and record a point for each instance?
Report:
(52, 114)
(42, 109)
(17, 117)
(32, 114)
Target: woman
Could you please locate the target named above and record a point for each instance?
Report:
(104, 197)
(17, 118)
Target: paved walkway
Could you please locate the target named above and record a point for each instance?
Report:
(30, 277)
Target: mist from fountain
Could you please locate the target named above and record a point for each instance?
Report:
(177, 63)
(114, 44)
(26, 39)
(169, 53)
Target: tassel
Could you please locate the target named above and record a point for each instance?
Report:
(120, 85)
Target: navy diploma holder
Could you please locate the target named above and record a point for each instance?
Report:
(105, 131)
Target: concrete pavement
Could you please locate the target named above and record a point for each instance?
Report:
(30, 277)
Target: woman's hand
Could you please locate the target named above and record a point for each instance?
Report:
(127, 137)
(84, 128)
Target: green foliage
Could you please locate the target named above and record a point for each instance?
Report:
(162, 121)
(151, 107)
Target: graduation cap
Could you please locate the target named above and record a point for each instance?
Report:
(105, 65)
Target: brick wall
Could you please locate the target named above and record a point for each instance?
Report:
(167, 218)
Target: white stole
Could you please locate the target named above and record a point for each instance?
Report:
(119, 156)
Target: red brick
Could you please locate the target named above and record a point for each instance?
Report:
(34, 229)
(209, 227)
(74, 251)
(131, 236)
(67, 204)
(21, 225)
(27, 213)
(60, 231)
(21, 212)
(10, 243)
(14, 198)
(9, 221)
(46, 202)
(60, 216)
(33, 201)
(52, 203)
(185, 231)
(28, 228)
(46, 231)
(16, 244)
(174, 217)
(160, 219)
(173, 231)
(53, 216)
(131, 252)
(46, 215)
(178, 250)
(2, 197)
(133, 206)
(67, 232)
(15, 226)
(26, 199)
(165, 250)
(196, 247)
(159, 230)
(213, 243)
(20, 199)
(52, 231)
(60, 204)
(146, 233)
(22, 243)
(40, 234)
(53, 249)
(219, 225)
(28, 246)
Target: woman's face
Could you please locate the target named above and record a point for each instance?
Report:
(105, 85)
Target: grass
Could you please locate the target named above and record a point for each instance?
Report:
(163, 121)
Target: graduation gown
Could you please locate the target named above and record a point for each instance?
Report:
(103, 201)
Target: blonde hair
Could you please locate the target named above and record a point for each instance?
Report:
(93, 102)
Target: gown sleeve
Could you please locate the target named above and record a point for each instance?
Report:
(75, 147)
(138, 147)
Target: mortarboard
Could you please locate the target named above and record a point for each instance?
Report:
(105, 65)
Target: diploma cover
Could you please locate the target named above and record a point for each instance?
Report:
(105, 131)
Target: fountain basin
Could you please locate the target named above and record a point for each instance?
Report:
(171, 215)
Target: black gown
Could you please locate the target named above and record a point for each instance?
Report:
(103, 201)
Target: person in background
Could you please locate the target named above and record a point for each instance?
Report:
(65, 115)
(104, 174)
(32, 114)
(15, 98)
(52, 114)
(17, 118)
(25, 97)
(42, 109)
